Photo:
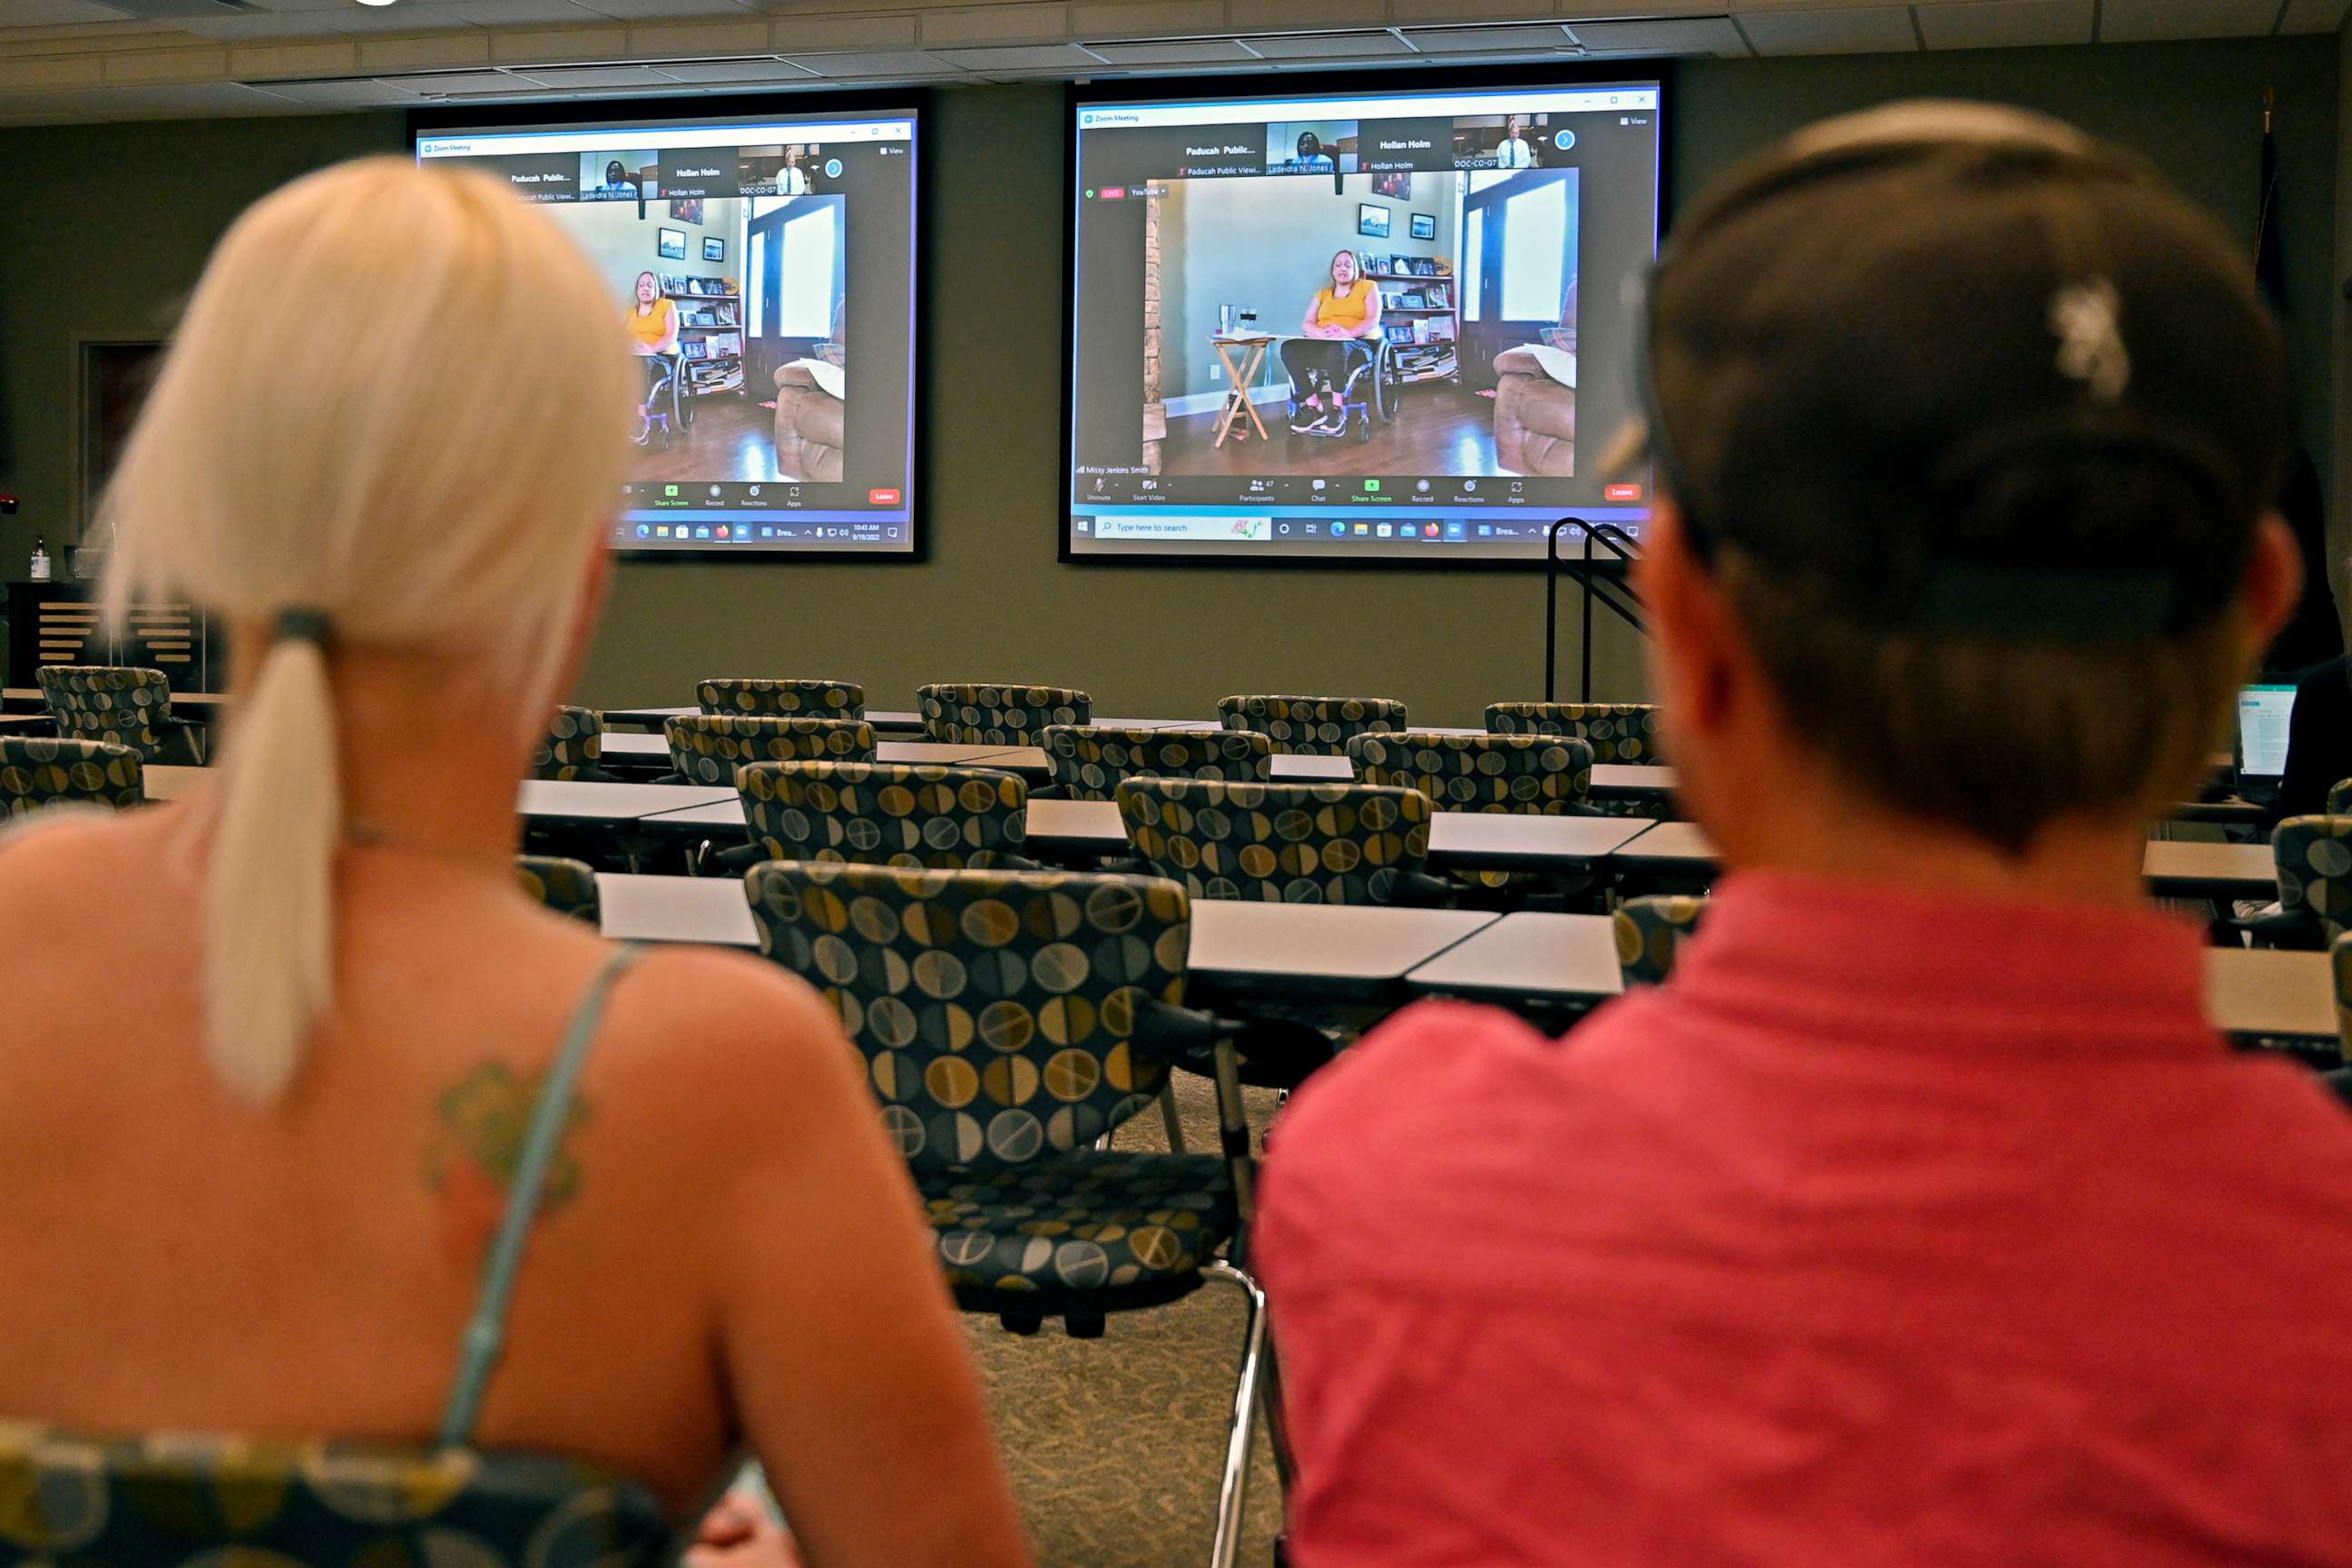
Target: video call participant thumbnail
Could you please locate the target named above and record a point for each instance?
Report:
(1920, 1216)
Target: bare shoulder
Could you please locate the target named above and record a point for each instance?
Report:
(728, 1040)
(68, 858)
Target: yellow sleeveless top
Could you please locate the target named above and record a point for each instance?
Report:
(650, 327)
(1333, 309)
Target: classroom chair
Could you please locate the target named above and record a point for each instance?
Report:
(706, 749)
(1074, 981)
(2314, 857)
(1089, 760)
(1650, 931)
(573, 747)
(1520, 775)
(1283, 842)
(568, 886)
(913, 815)
(185, 1497)
(37, 772)
(999, 715)
(2339, 798)
(782, 698)
(1617, 732)
(122, 707)
(1315, 726)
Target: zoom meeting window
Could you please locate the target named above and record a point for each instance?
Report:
(763, 273)
(1387, 326)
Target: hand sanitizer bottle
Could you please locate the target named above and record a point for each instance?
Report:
(41, 559)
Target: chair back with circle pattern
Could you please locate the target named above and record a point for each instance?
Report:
(999, 715)
(190, 1499)
(117, 705)
(706, 749)
(996, 1010)
(1648, 932)
(567, 887)
(909, 815)
(2339, 798)
(782, 698)
(1089, 760)
(2339, 961)
(1624, 732)
(573, 747)
(1280, 843)
(37, 772)
(2314, 857)
(1313, 726)
(1528, 775)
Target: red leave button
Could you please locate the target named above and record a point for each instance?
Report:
(886, 497)
(1624, 492)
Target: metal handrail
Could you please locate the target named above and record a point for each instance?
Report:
(1613, 596)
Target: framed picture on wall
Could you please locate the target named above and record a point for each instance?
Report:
(1396, 184)
(1371, 219)
(713, 248)
(671, 242)
(1424, 225)
(686, 209)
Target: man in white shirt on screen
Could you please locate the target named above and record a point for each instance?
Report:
(1513, 151)
(791, 180)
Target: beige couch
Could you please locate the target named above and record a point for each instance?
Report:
(1534, 418)
(810, 427)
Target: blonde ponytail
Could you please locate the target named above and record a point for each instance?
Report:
(269, 916)
(383, 482)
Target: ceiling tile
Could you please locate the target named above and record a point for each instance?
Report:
(739, 71)
(647, 10)
(1173, 52)
(453, 81)
(55, 13)
(520, 13)
(392, 19)
(2136, 21)
(1042, 58)
(361, 92)
(887, 62)
(451, 49)
(329, 5)
(1325, 46)
(193, 101)
(1486, 40)
(2006, 24)
(2313, 15)
(1663, 36)
(1857, 30)
(644, 76)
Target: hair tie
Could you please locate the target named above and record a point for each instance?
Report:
(303, 623)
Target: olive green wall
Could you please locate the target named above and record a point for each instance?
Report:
(142, 203)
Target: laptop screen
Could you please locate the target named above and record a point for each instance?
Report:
(2263, 713)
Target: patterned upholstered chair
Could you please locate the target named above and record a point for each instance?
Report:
(2314, 857)
(94, 1498)
(912, 816)
(1617, 732)
(1523, 776)
(1649, 931)
(122, 707)
(2339, 798)
(999, 715)
(1282, 843)
(1314, 725)
(567, 887)
(784, 698)
(706, 749)
(39, 773)
(1089, 760)
(574, 748)
(1007, 1021)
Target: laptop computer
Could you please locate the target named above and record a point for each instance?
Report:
(2262, 715)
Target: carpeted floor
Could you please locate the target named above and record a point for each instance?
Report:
(1116, 1444)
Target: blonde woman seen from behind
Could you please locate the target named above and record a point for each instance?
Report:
(270, 1042)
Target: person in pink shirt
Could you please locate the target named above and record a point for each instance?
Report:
(1920, 1218)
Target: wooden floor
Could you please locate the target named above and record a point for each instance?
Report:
(730, 439)
(1439, 429)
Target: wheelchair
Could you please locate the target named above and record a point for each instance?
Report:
(1371, 395)
(668, 408)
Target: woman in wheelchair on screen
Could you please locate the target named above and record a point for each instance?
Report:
(277, 1043)
(1342, 315)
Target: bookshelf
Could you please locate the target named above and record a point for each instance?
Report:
(713, 349)
(1431, 304)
